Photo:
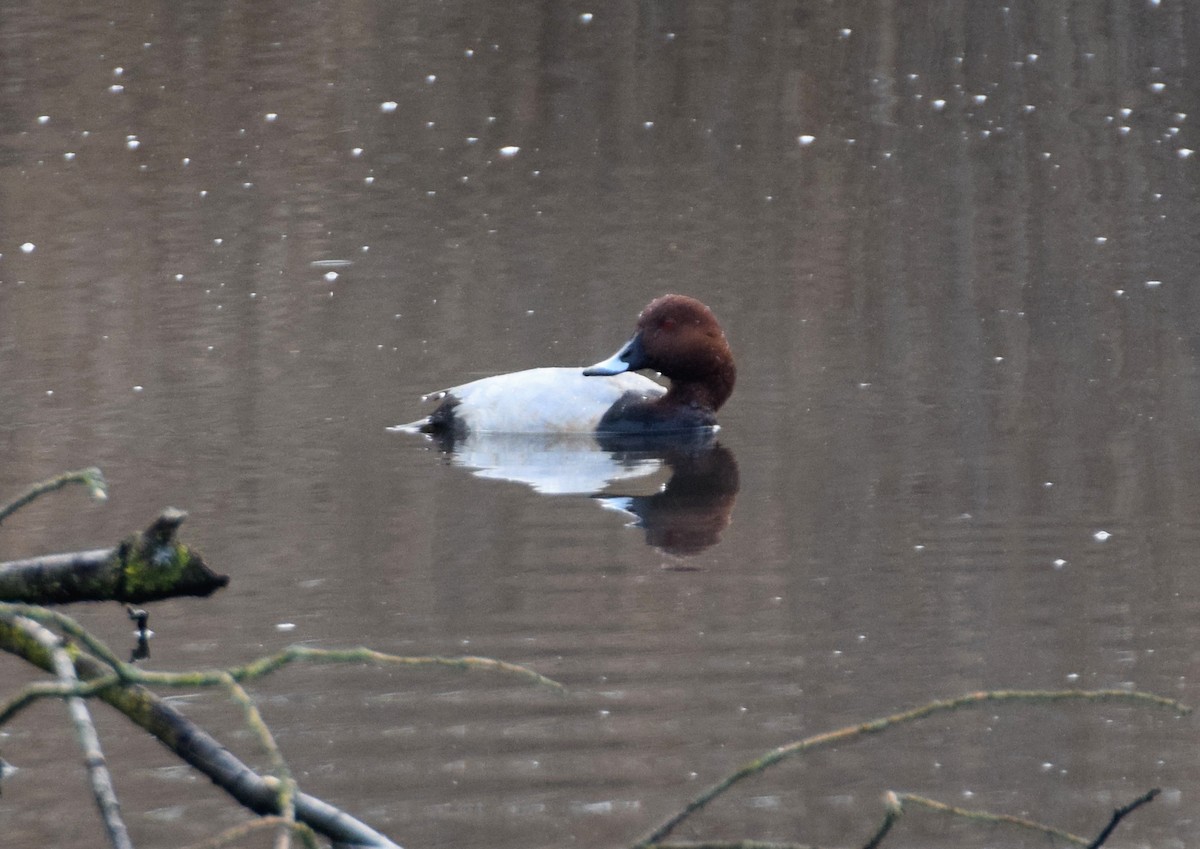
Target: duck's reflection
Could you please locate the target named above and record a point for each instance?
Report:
(679, 488)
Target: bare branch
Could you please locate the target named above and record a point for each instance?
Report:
(987, 817)
(52, 690)
(68, 626)
(118, 684)
(196, 747)
(92, 478)
(892, 810)
(1120, 814)
(93, 755)
(876, 726)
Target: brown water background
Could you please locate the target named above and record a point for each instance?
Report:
(954, 247)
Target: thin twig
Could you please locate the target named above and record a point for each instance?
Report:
(233, 835)
(1120, 814)
(89, 741)
(92, 478)
(279, 767)
(988, 817)
(264, 666)
(876, 726)
(51, 690)
(118, 684)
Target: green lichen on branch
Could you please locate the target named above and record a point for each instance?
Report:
(151, 565)
(154, 565)
(144, 567)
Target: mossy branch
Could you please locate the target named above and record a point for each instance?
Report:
(69, 627)
(45, 690)
(286, 790)
(92, 478)
(147, 566)
(127, 674)
(876, 726)
(121, 685)
(191, 743)
(265, 666)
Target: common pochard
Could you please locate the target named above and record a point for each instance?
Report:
(676, 336)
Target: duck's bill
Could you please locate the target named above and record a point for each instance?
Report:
(626, 359)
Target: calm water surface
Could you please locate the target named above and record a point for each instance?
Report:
(953, 248)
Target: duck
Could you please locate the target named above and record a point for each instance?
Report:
(676, 336)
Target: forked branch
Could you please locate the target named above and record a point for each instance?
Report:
(876, 726)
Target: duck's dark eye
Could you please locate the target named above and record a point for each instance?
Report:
(667, 324)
